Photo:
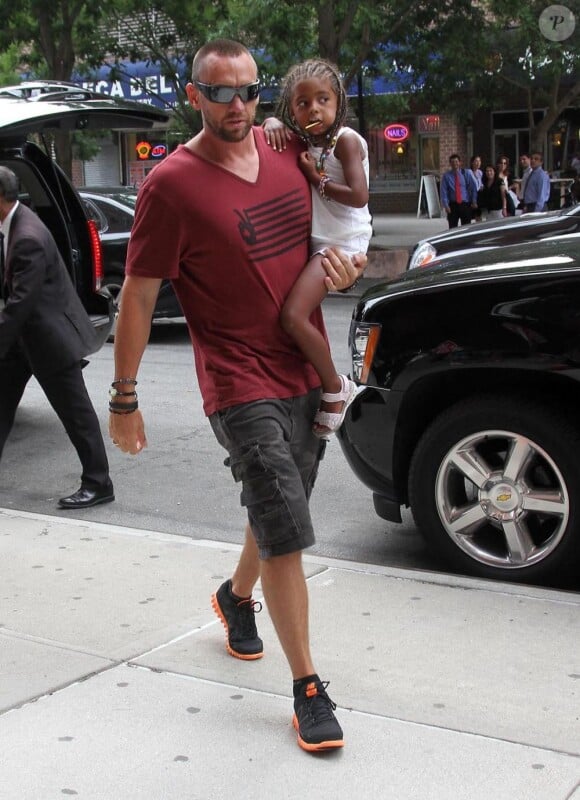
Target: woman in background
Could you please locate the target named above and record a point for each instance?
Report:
(492, 195)
(503, 170)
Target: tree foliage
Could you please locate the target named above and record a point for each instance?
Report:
(167, 34)
(54, 36)
(451, 55)
(351, 34)
(543, 73)
(9, 63)
(493, 54)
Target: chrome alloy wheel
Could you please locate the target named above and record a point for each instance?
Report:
(502, 499)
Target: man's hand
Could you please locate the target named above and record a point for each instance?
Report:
(128, 432)
(277, 134)
(342, 270)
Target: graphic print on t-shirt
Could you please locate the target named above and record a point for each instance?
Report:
(272, 228)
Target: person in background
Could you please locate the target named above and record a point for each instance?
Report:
(46, 332)
(503, 170)
(526, 171)
(475, 169)
(458, 193)
(491, 197)
(537, 192)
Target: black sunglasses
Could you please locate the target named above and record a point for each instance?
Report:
(225, 94)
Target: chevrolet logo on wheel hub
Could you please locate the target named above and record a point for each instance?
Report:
(504, 497)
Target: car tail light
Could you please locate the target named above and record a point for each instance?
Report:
(96, 253)
(364, 338)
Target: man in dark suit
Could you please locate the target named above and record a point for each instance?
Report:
(45, 332)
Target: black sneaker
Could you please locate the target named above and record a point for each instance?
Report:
(317, 727)
(238, 618)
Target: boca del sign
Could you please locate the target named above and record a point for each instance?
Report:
(396, 132)
(144, 81)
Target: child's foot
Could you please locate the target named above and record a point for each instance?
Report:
(333, 406)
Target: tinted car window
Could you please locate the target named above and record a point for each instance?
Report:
(127, 198)
(119, 221)
(94, 214)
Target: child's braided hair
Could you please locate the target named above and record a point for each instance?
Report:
(312, 68)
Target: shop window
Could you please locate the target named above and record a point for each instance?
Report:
(392, 164)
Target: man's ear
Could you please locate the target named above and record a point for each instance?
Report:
(193, 95)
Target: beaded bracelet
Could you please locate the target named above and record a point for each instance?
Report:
(322, 187)
(116, 393)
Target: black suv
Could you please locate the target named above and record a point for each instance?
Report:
(496, 233)
(469, 407)
(46, 189)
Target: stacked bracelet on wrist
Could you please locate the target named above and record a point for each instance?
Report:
(349, 288)
(122, 381)
(322, 187)
(123, 408)
(116, 407)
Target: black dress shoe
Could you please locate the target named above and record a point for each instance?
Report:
(85, 498)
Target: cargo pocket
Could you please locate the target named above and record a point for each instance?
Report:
(268, 511)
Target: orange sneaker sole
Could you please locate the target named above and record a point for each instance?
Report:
(229, 648)
(332, 744)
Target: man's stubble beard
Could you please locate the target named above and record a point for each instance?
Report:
(227, 135)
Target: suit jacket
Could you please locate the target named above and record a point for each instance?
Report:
(43, 313)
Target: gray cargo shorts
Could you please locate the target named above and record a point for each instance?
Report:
(275, 456)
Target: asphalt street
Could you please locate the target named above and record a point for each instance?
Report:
(179, 484)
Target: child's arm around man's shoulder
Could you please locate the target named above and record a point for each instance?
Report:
(276, 133)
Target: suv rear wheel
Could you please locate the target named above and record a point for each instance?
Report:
(494, 487)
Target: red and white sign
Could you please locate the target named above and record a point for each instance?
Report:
(146, 150)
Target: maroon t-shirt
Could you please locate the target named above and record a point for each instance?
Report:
(232, 249)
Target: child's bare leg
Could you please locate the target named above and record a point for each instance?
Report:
(306, 296)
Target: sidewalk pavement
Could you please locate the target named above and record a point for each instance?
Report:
(394, 231)
(116, 684)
